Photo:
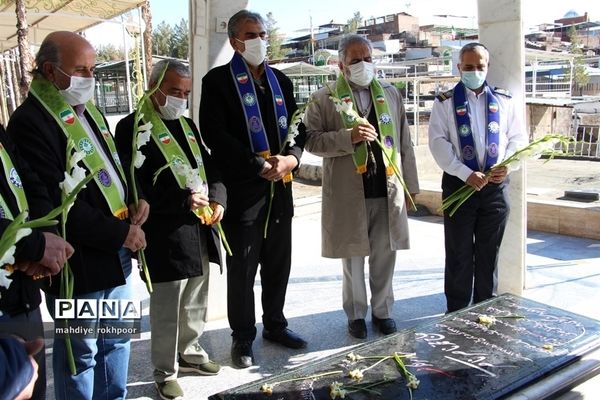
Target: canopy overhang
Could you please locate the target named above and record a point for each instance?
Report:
(46, 16)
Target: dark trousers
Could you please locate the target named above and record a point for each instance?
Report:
(249, 248)
(472, 239)
(28, 326)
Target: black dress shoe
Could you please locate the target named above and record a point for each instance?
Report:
(285, 337)
(358, 328)
(385, 325)
(241, 353)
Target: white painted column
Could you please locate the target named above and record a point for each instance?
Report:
(209, 47)
(501, 30)
(209, 41)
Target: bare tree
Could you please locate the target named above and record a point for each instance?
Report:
(147, 17)
(580, 75)
(23, 41)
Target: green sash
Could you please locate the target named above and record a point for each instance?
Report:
(15, 186)
(169, 147)
(386, 126)
(71, 126)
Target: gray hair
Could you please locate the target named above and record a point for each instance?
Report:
(48, 52)
(474, 47)
(238, 18)
(172, 65)
(348, 41)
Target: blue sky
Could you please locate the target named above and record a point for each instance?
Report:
(292, 16)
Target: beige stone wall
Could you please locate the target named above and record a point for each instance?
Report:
(542, 120)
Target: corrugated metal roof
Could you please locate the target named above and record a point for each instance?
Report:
(46, 16)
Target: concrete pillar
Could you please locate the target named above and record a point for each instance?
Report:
(501, 30)
(209, 41)
(209, 48)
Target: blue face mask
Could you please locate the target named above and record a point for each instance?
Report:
(473, 79)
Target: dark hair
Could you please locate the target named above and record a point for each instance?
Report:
(238, 18)
(48, 52)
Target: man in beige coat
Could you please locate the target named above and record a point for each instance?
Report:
(364, 207)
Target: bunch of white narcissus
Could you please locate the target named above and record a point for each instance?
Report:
(193, 181)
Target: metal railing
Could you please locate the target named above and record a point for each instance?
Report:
(587, 142)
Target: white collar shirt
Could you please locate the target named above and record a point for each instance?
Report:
(444, 142)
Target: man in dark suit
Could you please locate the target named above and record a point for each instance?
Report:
(180, 244)
(59, 111)
(244, 113)
(39, 254)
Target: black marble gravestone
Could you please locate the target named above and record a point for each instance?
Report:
(455, 357)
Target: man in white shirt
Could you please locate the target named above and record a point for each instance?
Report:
(472, 128)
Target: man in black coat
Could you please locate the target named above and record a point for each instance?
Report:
(39, 254)
(58, 107)
(180, 245)
(244, 112)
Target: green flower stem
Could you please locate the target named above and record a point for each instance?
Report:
(223, 238)
(69, 349)
(134, 149)
(207, 210)
(66, 292)
(19, 222)
(462, 200)
(409, 376)
(377, 363)
(304, 378)
(142, 258)
(398, 175)
(366, 387)
(460, 196)
(269, 209)
(363, 389)
(295, 121)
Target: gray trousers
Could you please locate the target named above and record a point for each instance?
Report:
(177, 319)
(381, 268)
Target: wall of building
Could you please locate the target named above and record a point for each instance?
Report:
(543, 119)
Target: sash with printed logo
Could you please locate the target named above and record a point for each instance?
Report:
(256, 130)
(15, 186)
(169, 147)
(71, 126)
(465, 133)
(386, 126)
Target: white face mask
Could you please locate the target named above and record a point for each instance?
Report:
(361, 73)
(174, 107)
(255, 52)
(80, 89)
